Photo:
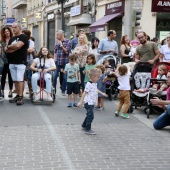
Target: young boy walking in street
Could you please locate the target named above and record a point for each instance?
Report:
(90, 99)
(73, 80)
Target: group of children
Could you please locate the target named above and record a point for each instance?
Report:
(95, 87)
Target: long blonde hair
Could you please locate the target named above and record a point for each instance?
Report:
(84, 38)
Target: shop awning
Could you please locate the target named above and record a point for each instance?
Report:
(99, 25)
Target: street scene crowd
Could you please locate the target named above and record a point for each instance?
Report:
(86, 69)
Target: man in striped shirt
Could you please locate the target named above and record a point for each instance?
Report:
(61, 52)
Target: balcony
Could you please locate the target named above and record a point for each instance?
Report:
(18, 4)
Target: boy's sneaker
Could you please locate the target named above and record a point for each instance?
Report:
(90, 132)
(14, 100)
(69, 105)
(125, 115)
(63, 93)
(75, 104)
(100, 108)
(20, 101)
(117, 113)
(83, 128)
(159, 92)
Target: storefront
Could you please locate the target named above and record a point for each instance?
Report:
(112, 19)
(162, 8)
(51, 32)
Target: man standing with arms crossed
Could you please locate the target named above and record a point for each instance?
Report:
(17, 54)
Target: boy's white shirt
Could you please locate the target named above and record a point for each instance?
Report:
(91, 96)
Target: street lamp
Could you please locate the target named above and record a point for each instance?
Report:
(62, 2)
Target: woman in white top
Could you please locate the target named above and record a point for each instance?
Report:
(94, 47)
(165, 51)
(44, 63)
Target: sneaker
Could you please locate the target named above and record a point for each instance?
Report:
(159, 92)
(20, 101)
(96, 107)
(100, 108)
(69, 105)
(125, 115)
(14, 100)
(75, 104)
(152, 90)
(63, 93)
(36, 98)
(116, 113)
(83, 128)
(49, 98)
(90, 132)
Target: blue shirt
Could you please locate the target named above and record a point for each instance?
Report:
(107, 44)
(74, 43)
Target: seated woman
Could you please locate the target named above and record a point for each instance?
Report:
(44, 63)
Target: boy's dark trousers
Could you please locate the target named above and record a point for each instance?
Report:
(89, 116)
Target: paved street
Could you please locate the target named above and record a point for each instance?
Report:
(38, 137)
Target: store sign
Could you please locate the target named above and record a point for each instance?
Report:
(9, 21)
(115, 7)
(160, 6)
(163, 25)
(75, 11)
(50, 16)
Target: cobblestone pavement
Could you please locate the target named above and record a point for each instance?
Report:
(50, 138)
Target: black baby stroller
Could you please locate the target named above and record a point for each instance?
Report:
(111, 83)
(140, 83)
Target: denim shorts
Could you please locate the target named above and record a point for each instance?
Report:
(17, 71)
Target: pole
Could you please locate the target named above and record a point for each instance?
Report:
(62, 16)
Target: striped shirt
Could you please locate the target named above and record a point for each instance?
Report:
(61, 56)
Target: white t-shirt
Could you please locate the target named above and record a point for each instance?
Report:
(92, 93)
(95, 53)
(165, 50)
(124, 81)
(163, 77)
(48, 62)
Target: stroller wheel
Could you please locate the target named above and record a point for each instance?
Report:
(130, 110)
(148, 111)
(115, 96)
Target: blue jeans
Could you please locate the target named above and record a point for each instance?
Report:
(163, 120)
(47, 78)
(56, 73)
(1, 69)
(89, 116)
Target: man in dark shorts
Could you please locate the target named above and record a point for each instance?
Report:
(17, 54)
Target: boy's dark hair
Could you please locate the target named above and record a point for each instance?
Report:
(93, 58)
(122, 69)
(27, 32)
(72, 57)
